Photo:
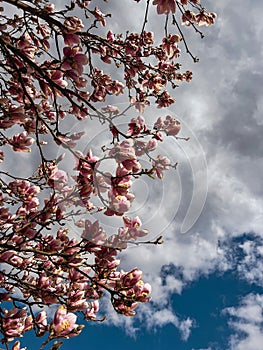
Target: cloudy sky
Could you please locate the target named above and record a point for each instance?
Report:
(207, 275)
(207, 281)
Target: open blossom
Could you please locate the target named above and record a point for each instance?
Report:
(204, 18)
(58, 179)
(73, 24)
(94, 233)
(99, 16)
(165, 6)
(133, 226)
(57, 77)
(112, 110)
(142, 291)
(132, 277)
(124, 153)
(41, 321)
(21, 142)
(93, 308)
(64, 324)
(15, 322)
(170, 125)
(164, 100)
(137, 126)
(118, 204)
(27, 46)
(49, 7)
(160, 164)
(169, 45)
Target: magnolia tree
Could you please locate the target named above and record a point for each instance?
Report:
(60, 65)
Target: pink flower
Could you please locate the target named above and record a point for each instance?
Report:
(124, 153)
(170, 125)
(142, 291)
(131, 278)
(73, 60)
(119, 204)
(99, 16)
(133, 226)
(137, 126)
(64, 324)
(57, 77)
(41, 321)
(94, 233)
(188, 17)
(165, 6)
(58, 179)
(111, 110)
(164, 100)
(73, 24)
(90, 313)
(21, 142)
(49, 7)
(15, 322)
(169, 45)
(160, 164)
(71, 39)
(26, 45)
(77, 300)
(152, 145)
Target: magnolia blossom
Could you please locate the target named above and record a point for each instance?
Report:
(165, 6)
(137, 126)
(41, 321)
(93, 308)
(94, 233)
(73, 60)
(99, 16)
(64, 324)
(133, 226)
(15, 322)
(73, 24)
(124, 153)
(169, 45)
(160, 164)
(21, 142)
(170, 125)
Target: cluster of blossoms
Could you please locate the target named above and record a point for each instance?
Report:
(56, 65)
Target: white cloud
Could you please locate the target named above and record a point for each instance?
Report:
(165, 316)
(250, 266)
(247, 322)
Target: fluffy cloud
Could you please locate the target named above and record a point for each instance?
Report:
(247, 322)
(250, 266)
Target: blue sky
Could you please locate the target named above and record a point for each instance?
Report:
(207, 282)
